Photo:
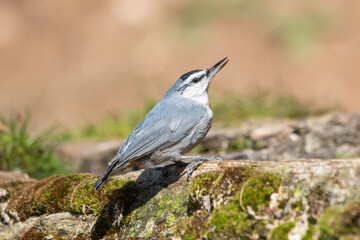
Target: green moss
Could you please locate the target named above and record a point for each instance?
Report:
(214, 186)
(258, 189)
(164, 210)
(297, 201)
(114, 202)
(204, 181)
(226, 222)
(310, 232)
(298, 206)
(232, 221)
(229, 221)
(194, 227)
(84, 198)
(72, 193)
(281, 231)
(78, 176)
(193, 205)
(340, 222)
(175, 203)
(39, 198)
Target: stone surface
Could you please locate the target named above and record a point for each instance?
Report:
(256, 195)
(89, 155)
(14, 176)
(264, 199)
(325, 137)
(57, 225)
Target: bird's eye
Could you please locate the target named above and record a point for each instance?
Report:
(195, 80)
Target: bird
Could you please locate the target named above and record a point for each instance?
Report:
(175, 125)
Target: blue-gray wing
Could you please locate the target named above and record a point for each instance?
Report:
(165, 125)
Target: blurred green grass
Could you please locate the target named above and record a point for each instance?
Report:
(228, 111)
(31, 154)
(112, 126)
(35, 155)
(232, 108)
(296, 31)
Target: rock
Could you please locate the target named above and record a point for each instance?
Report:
(325, 137)
(57, 225)
(89, 155)
(270, 130)
(3, 194)
(275, 199)
(224, 199)
(14, 176)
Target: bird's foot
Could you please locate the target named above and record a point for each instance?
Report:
(194, 165)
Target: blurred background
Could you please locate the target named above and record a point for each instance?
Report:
(93, 69)
(72, 62)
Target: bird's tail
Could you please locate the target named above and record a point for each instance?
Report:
(107, 174)
(114, 165)
(101, 182)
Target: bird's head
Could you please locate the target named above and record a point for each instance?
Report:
(197, 82)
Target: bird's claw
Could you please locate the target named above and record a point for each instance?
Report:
(192, 166)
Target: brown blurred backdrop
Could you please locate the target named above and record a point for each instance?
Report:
(71, 62)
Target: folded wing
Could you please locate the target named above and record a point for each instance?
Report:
(165, 125)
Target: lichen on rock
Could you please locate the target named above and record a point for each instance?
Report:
(236, 200)
(298, 199)
(157, 218)
(72, 194)
(341, 222)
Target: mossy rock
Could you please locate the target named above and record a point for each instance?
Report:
(228, 200)
(158, 217)
(230, 194)
(211, 189)
(72, 193)
(340, 222)
(34, 234)
(281, 231)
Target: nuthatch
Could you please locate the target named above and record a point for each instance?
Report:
(172, 128)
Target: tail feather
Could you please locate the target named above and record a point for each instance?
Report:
(109, 171)
(101, 182)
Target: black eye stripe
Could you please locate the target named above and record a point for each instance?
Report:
(182, 88)
(195, 80)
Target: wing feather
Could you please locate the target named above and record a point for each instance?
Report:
(165, 125)
(161, 128)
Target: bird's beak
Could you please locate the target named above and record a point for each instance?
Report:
(214, 70)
